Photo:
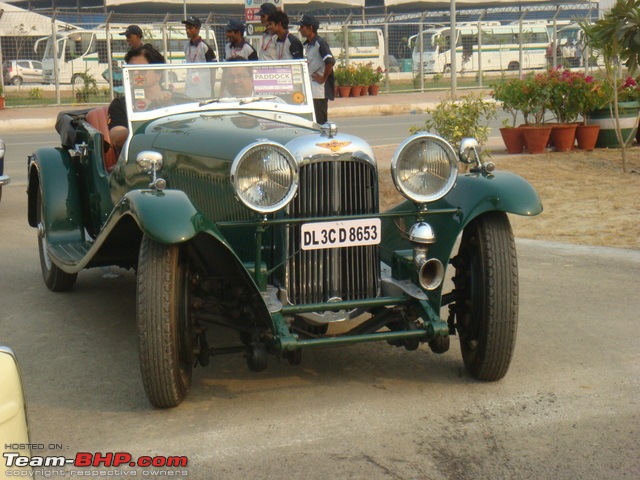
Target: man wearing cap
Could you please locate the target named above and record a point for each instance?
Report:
(320, 61)
(198, 84)
(196, 50)
(287, 46)
(267, 49)
(133, 34)
(237, 48)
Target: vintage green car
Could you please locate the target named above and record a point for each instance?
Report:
(248, 222)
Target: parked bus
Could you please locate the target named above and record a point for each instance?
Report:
(365, 45)
(497, 46)
(83, 53)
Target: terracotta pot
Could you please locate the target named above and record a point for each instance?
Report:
(355, 90)
(1, 102)
(536, 137)
(563, 136)
(364, 91)
(374, 89)
(513, 139)
(344, 91)
(587, 136)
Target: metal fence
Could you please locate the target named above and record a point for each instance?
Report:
(413, 49)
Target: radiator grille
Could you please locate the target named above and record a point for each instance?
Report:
(327, 189)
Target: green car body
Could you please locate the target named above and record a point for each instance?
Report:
(262, 272)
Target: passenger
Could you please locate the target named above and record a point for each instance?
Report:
(237, 46)
(133, 35)
(287, 46)
(321, 61)
(117, 119)
(239, 82)
(268, 42)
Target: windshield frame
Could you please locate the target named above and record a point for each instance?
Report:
(296, 88)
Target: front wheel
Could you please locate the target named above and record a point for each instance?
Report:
(165, 330)
(54, 278)
(487, 304)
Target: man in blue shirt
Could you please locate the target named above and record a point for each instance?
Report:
(320, 61)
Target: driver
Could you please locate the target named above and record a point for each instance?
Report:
(117, 119)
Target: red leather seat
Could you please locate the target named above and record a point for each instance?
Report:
(97, 118)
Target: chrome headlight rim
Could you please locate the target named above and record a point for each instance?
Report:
(2, 149)
(452, 158)
(293, 186)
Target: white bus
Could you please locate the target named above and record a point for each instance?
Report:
(365, 45)
(496, 46)
(84, 53)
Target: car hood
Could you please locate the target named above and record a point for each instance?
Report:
(218, 136)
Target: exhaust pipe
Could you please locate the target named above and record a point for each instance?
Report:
(430, 271)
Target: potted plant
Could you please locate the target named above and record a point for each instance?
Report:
(603, 114)
(536, 91)
(565, 100)
(454, 120)
(364, 75)
(376, 78)
(344, 79)
(510, 93)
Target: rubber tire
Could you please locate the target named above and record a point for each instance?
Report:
(77, 80)
(513, 66)
(488, 316)
(16, 81)
(55, 279)
(165, 335)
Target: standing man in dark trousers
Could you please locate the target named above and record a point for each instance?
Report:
(288, 46)
(198, 84)
(267, 49)
(320, 61)
(196, 50)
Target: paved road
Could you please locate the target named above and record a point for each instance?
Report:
(569, 407)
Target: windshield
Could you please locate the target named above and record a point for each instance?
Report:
(157, 90)
(427, 42)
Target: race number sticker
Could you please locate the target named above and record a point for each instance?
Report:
(349, 233)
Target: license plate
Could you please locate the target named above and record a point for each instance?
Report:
(348, 233)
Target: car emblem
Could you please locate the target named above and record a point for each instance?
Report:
(333, 145)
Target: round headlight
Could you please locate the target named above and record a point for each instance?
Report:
(424, 168)
(265, 176)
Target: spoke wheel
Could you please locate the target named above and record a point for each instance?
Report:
(487, 311)
(54, 278)
(166, 335)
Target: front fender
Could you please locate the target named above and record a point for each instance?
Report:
(53, 172)
(473, 195)
(166, 217)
